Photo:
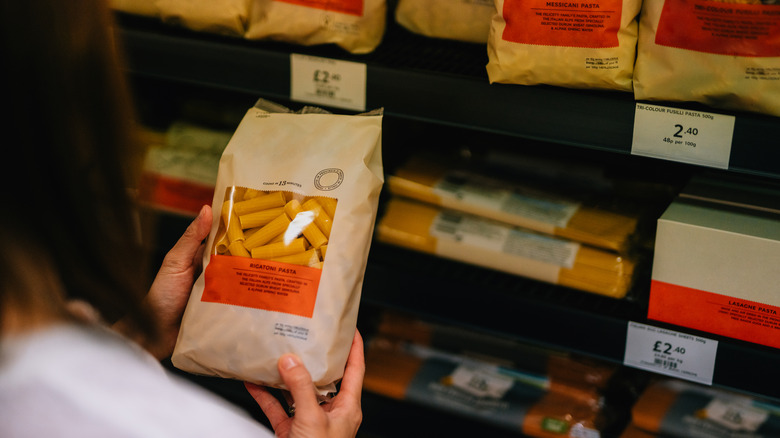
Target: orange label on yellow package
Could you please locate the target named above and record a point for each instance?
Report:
(352, 7)
(566, 23)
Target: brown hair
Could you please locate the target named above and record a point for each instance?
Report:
(67, 221)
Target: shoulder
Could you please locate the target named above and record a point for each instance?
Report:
(89, 380)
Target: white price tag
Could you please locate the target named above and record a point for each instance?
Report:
(685, 136)
(670, 353)
(329, 82)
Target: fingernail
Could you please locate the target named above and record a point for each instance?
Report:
(289, 361)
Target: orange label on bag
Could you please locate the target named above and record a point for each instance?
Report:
(261, 284)
(566, 23)
(714, 313)
(720, 28)
(352, 7)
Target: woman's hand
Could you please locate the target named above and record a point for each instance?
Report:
(338, 418)
(171, 288)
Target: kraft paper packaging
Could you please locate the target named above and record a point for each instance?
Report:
(294, 209)
(460, 20)
(568, 43)
(724, 54)
(356, 26)
(226, 17)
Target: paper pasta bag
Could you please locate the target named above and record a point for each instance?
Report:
(575, 44)
(294, 208)
(356, 26)
(460, 20)
(725, 54)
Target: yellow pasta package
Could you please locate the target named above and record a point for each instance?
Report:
(356, 26)
(569, 43)
(725, 53)
(294, 209)
(459, 20)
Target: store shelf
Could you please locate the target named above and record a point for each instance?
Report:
(444, 83)
(436, 81)
(538, 313)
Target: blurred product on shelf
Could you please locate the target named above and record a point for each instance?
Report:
(356, 26)
(459, 20)
(679, 409)
(224, 17)
(538, 405)
(716, 259)
(495, 245)
(575, 44)
(180, 167)
(563, 371)
(725, 54)
(437, 182)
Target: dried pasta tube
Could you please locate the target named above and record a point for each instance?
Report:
(279, 249)
(310, 231)
(251, 194)
(268, 232)
(236, 248)
(306, 258)
(329, 205)
(221, 245)
(264, 202)
(259, 218)
(323, 250)
(234, 231)
(321, 218)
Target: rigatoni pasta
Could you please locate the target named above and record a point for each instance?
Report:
(294, 210)
(269, 226)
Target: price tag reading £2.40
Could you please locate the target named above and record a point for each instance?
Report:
(670, 353)
(684, 136)
(328, 82)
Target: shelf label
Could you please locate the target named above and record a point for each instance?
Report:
(329, 82)
(671, 353)
(682, 135)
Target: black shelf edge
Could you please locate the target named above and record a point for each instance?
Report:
(420, 89)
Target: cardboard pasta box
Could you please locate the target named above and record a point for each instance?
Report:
(715, 263)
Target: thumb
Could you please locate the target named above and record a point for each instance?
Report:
(298, 381)
(181, 255)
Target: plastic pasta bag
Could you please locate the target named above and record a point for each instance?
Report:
(294, 209)
(571, 43)
(460, 20)
(354, 25)
(723, 54)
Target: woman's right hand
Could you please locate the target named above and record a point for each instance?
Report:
(340, 417)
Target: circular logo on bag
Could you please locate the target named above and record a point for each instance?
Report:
(328, 179)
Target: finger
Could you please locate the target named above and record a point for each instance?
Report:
(352, 382)
(298, 381)
(180, 257)
(270, 406)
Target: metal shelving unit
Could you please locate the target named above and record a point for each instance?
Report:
(444, 83)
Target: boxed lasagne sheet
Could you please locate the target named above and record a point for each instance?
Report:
(716, 262)
(496, 245)
(511, 202)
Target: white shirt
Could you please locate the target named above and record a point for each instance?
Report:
(72, 381)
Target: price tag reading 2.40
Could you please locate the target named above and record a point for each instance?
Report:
(670, 352)
(681, 135)
(329, 82)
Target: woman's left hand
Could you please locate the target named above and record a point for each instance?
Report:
(171, 287)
